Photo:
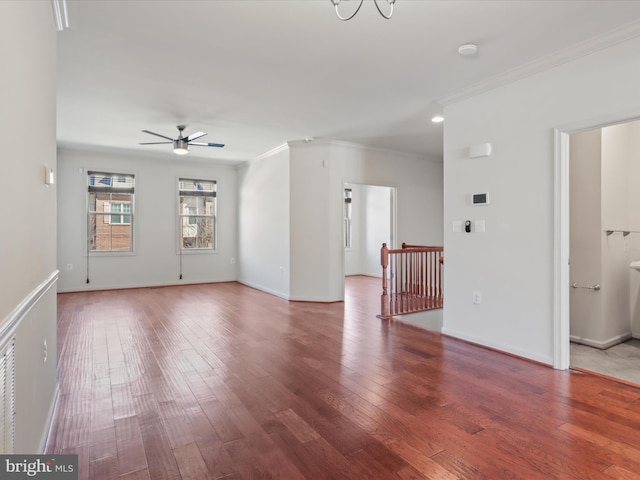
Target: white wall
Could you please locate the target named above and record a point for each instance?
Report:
(615, 322)
(28, 248)
(633, 241)
(263, 228)
(418, 180)
(315, 207)
(371, 227)
(318, 172)
(512, 263)
(377, 227)
(586, 233)
(633, 179)
(156, 260)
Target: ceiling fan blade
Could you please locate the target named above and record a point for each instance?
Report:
(193, 136)
(154, 143)
(207, 144)
(158, 135)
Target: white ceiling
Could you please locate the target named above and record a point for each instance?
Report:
(258, 73)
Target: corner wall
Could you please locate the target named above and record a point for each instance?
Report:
(263, 225)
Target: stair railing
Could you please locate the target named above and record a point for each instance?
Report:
(411, 279)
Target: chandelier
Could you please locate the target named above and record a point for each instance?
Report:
(336, 3)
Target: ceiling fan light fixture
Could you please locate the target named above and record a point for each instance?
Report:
(180, 147)
(386, 15)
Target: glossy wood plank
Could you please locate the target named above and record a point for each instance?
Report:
(131, 453)
(223, 381)
(191, 464)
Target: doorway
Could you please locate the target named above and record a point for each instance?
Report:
(599, 212)
(369, 220)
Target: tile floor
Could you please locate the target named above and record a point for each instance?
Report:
(620, 361)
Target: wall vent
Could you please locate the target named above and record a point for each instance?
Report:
(8, 397)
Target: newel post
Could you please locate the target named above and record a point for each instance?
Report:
(384, 299)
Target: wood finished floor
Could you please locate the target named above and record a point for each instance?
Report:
(223, 381)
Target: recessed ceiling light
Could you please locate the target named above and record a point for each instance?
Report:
(438, 119)
(468, 49)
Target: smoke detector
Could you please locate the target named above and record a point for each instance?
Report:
(468, 49)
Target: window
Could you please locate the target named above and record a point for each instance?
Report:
(347, 218)
(197, 214)
(110, 212)
(117, 208)
(120, 208)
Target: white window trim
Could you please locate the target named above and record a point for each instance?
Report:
(179, 216)
(134, 210)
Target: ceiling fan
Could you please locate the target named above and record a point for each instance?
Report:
(182, 143)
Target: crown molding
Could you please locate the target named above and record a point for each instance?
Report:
(387, 151)
(272, 152)
(322, 141)
(581, 49)
(310, 142)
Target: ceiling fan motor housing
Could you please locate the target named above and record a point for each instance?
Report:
(181, 146)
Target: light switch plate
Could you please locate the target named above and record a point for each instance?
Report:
(457, 226)
(479, 226)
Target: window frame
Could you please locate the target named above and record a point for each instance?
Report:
(93, 188)
(192, 218)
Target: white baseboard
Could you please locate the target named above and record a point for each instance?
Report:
(287, 297)
(294, 298)
(604, 344)
(428, 319)
(92, 287)
(44, 441)
(264, 289)
(547, 360)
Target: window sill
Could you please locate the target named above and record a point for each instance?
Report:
(112, 254)
(197, 251)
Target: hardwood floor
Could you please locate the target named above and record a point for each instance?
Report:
(223, 381)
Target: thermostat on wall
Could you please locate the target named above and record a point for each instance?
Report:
(480, 199)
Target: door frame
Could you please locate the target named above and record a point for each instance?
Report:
(393, 215)
(561, 269)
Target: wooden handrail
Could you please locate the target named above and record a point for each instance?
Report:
(411, 279)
